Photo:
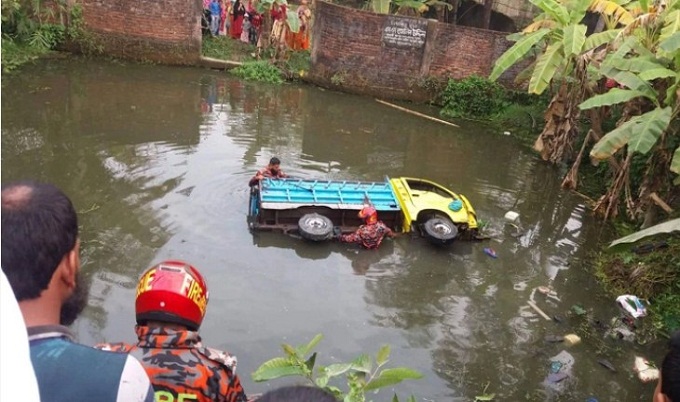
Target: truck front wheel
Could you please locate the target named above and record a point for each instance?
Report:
(440, 230)
(315, 227)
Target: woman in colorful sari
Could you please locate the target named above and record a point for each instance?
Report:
(238, 12)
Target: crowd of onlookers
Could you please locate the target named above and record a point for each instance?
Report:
(241, 21)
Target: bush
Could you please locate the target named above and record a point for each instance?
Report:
(473, 98)
(259, 71)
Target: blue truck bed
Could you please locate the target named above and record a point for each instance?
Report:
(334, 194)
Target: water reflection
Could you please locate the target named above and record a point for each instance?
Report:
(157, 161)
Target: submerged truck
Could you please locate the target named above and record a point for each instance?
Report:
(313, 208)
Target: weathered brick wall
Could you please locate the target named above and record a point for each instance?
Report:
(167, 31)
(348, 51)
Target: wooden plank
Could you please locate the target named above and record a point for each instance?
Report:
(403, 109)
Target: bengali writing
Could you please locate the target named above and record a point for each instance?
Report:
(404, 32)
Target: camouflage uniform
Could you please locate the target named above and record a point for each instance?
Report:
(370, 236)
(181, 368)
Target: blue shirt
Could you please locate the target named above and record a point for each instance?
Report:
(215, 8)
(68, 371)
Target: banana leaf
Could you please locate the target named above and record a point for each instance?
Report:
(640, 133)
(671, 25)
(516, 53)
(675, 163)
(574, 38)
(656, 73)
(600, 38)
(671, 44)
(636, 64)
(546, 66)
(554, 9)
(611, 8)
(633, 81)
(293, 21)
(381, 6)
(612, 97)
(661, 228)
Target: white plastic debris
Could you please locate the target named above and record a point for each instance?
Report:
(512, 217)
(631, 305)
(506, 132)
(644, 370)
(572, 339)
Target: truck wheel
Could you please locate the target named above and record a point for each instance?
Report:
(440, 230)
(315, 227)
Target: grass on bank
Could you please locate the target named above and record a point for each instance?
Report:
(257, 66)
(654, 276)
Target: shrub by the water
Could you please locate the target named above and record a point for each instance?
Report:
(473, 98)
(259, 71)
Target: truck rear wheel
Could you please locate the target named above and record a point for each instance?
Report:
(440, 230)
(315, 227)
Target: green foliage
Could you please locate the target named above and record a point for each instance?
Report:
(14, 54)
(654, 276)
(360, 374)
(259, 71)
(473, 97)
(226, 48)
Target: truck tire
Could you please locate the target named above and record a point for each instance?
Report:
(440, 230)
(315, 227)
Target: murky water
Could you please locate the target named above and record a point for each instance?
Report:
(157, 162)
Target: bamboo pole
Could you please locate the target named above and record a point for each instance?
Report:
(403, 109)
(538, 310)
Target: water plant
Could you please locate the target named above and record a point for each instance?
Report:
(259, 71)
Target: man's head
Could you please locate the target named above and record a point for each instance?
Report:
(668, 387)
(274, 165)
(172, 292)
(40, 246)
(369, 215)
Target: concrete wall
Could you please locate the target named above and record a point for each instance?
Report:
(350, 50)
(167, 31)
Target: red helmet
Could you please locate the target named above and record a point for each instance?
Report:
(172, 291)
(369, 215)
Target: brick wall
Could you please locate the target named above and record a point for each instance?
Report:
(348, 51)
(167, 31)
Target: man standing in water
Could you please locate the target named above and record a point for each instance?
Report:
(371, 233)
(40, 257)
(273, 170)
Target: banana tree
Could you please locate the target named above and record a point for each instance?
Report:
(564, 51)
(645, 61)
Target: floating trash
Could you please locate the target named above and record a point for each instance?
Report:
(572, 339)
(554, 338)
(645, 371)
(512, 216)
(490, 252)
(578, 310)
(631, 305)
(606, 364)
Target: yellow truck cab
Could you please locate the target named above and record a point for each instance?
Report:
(312, 208)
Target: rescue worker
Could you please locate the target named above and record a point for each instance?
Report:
(170, 305)
(273, 170)
(371, 233)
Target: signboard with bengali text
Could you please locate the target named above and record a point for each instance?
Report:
(404, 32)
